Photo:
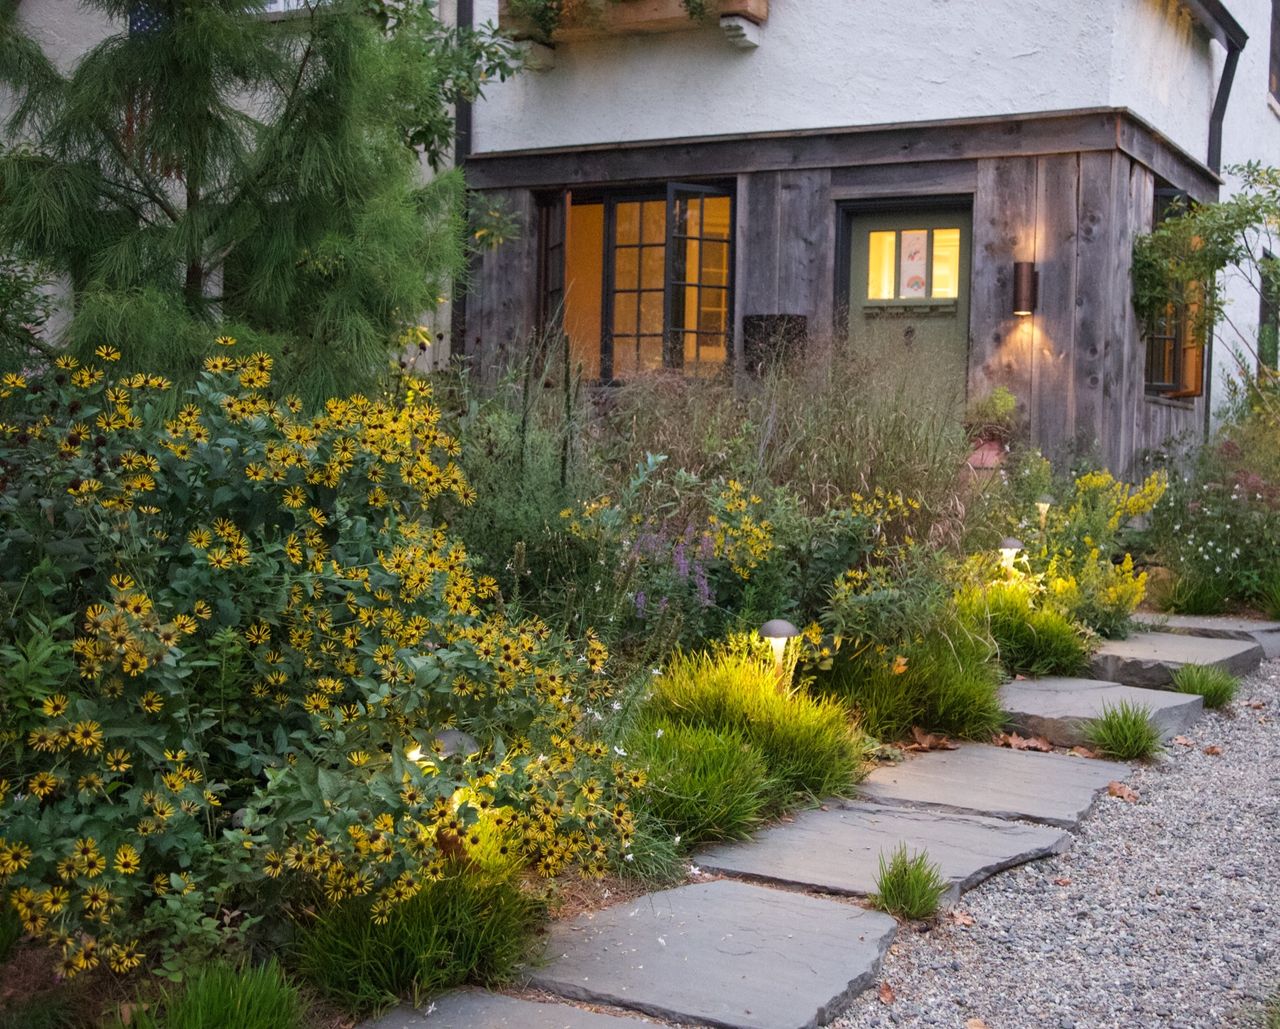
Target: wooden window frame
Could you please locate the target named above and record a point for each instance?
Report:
(552, 235)
(1178, 330)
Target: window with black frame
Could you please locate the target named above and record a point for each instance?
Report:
(1175, 339)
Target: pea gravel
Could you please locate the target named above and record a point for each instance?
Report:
(1164, 912)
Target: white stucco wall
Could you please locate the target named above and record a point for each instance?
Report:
(829, 63)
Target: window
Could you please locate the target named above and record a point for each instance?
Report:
(644, 280)
(913, 264)
(1274, 84)
(1175, 340)
(1269, 313)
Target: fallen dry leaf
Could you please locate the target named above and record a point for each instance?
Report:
(929, 741)
(975, 1023)
(1183, 741)
(1084, 752)
(1016, 742)
(1119, 789)
(887, 996)
(1062, 881)
(959, 917)
(1257, 705)
(1213, 751)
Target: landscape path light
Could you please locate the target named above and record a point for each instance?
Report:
(1009, 550)
(777, 631)
(1042, 505)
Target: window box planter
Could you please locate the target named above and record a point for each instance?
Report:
(587, 19)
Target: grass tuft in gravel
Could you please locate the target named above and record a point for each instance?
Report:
(909, 886)
(1124, 731)
(1217, 686)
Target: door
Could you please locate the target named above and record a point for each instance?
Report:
(908, 291)
(647, 280)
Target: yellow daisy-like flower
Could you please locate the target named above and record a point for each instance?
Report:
(295, 497)
(54, 705)
(200, 538)
(151, 702)
(134, 662)
(127, 860)
(87, 736)
(43, 783)
(225, 341)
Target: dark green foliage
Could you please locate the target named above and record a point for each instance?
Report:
(53, 1009)
(909, 886)
(655, 857)
(220, 996)
(1216, 685)
(1269, 594)
(1193, 593)
(468, 927)
(10, 931)
(704, 784)
(24, 309)
(1124, 731)
(298, 223)
(947, 683)
(809, 745)
(1031, 640)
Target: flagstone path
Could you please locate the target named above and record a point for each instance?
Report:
(777, 944)
(1060, 709)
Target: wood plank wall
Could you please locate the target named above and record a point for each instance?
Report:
(1078, 365)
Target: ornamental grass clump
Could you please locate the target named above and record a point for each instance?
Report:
(272, 629)
(1216, 685)
(704, 784)
(810, 745)
(909, 886)
(219, 996)
(471, 925)
(1124, 731)
(1032, 637)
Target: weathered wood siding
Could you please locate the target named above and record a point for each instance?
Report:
(502, 298)
(1078, 365)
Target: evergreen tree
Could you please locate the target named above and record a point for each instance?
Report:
(209, 170)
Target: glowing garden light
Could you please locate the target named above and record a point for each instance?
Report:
(1042, 505)
(1009, 550)
(777, 631)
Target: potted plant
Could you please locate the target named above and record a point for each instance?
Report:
(991, 424)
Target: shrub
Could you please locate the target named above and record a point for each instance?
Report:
(1193, 593)
(1032, 640)
(1216, 685)
(809, 744)
(219, 996)
(271, 632)
(909, 886)
(1269, 593)
(469, 925)
(704, 784)
(1124, 731)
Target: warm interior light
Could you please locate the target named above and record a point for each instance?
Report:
(1026, 282)
(881, 255)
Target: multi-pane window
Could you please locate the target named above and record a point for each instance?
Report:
(913, 264)
(647, 281)
(1175, 339)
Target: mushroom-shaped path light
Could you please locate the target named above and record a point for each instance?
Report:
(777, 631)
(1009, 550)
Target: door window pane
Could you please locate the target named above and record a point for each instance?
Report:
(946, 264)
(882, 250)
(913, 250)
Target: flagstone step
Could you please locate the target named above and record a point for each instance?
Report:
(1060, 709)
(838, 850)
(723, 953)
(1056, 789)
(480, 1009)
(1265, 633)
(1150, 658)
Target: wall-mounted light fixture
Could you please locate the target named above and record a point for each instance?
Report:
(1026, 284)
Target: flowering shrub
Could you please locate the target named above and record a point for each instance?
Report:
(1079, 554)
(289, 678)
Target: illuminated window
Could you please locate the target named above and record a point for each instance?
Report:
(913, 264)
(1175, 339)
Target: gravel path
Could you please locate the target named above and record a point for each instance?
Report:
(1165, 912)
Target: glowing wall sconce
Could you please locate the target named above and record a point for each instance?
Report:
(1026, 287)
(1010, 548)
(777, 631)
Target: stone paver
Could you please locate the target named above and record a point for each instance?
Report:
(1150, 658)
(1056, 789)
(1265, 633)
(838, 850)
(478, 1009)
(1060, 709)
(722, 953)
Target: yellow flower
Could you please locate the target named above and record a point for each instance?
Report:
(225, 341)
(43, 783)
(151, 702)
(54, 705)
(295, 497)
(87, 736)
(134, 662)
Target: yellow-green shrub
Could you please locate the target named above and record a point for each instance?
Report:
(809, 744)
(271, 633)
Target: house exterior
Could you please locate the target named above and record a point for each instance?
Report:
(955, 183)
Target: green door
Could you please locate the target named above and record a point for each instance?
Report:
(909, 298)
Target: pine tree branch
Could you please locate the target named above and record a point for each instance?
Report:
(148, 190)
